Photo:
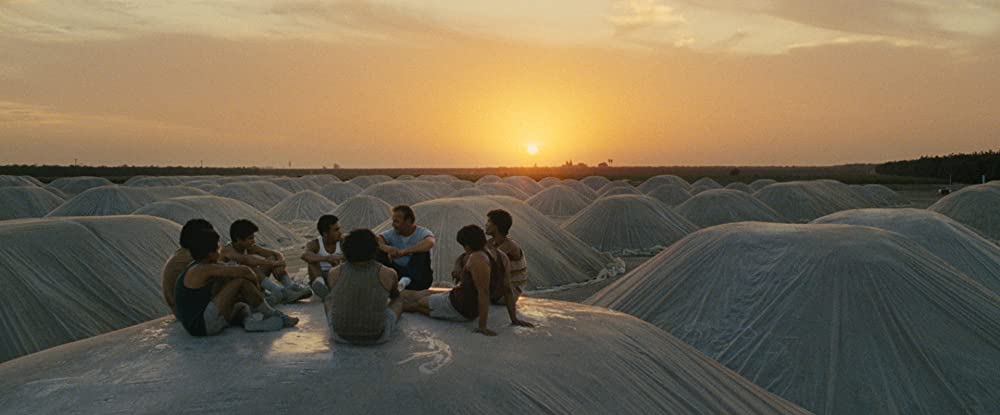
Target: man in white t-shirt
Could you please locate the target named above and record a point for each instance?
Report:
(406, 248)
(323, 253)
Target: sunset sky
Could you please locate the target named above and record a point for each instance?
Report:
(480, 83)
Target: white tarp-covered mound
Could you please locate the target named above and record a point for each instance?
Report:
(461, 184)
(105, 201)
(743, 187)
(26, 202)
(222, 212)
(615, 188)
(524, 184)
(167, 192)
(398, 193)
(581, 188)
(669, 194)
(804, 201)
(362, 212)
(595, 182)
(305, 206)
(471, 191)
(706, 183)
(558, 201)
(943, 236)
(761, 183)
(18, 181)
(549, 181)
(657, 181)
(839, 319)
(489, 179)
(885, 195)
(977, 207)
(339, 192)
(72, 186)
(320, 180)
(628, 225)
(555, 258)
(146, 181)
(718, 206)
(434, 189)
(293, 185)
(260, 194)
(66, 279)
(502, 189)
(579, 360)
(365, 181)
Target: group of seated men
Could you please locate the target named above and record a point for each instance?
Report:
(366, 281)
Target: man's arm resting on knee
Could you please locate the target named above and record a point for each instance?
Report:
(230, 254)
(480, 270)
(425, 245)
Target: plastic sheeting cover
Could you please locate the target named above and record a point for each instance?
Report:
(367, 181)
(222, 212)
(953, 242)
(339, 192)
(595, 182)
(503, 189)
(362, 212)
(106, 201)
(66, 279)
(72, 186)
(260, 194)
(558, 201)
(26, 202)
(398, 193)
(471, 191)
(840, 319)
(718, 206)
(582, 188)
(761, 183)
(657, 181)
(669, 194)
(579, 360)
(628, 225)
(977, 207)
(555, 258)
(549, 181)
(524, 184)
(804, 201)
(305, 206)
(743, 187)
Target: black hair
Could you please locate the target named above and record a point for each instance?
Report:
(360, 245)
(325, 222)
(242, 229)
(472, 236)
(502, 219)
(203, 242)
(189, 229)
(406, 211)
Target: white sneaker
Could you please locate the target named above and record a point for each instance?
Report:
(257, 322)
(320, 289)
(274, 298)
(403, 282)
(295, 293)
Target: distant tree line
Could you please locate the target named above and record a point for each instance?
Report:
(962, 168)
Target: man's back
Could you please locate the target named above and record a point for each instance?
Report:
(171, 269)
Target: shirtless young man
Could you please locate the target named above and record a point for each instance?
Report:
(243, 250)
(323, 253)
(498, 224)
(482, 277)
(204, 311)
(180, 259)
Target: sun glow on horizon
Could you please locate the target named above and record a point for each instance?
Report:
(532, 148)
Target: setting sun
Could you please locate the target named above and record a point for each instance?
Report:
(532, 148)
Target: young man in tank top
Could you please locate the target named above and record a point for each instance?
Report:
(406, 248)
(363, 305)
(180, 259)
(203, 310)
(243, 250)
(483, 277)
(498, 224)
(323, 253)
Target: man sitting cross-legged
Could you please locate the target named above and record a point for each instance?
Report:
(323, 253)
(406, 248)
(243, 250)
(363, 305)
(483, 274)
(203, 313)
